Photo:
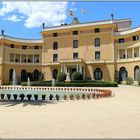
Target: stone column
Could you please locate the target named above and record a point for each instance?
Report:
(26, 58)
(33, 59)
(65, 69)
(133, 53)
(125, 53)
(61, 68)
(77, 69)
(81, 69)
(20, 58)
(118, 54)
(14, 57)
(139, 51)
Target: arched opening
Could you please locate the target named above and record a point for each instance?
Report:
(136, 73)
(11, 74)
(23, 75)
(55, 72)
(123, 74)
(98, 74)
(36, 75)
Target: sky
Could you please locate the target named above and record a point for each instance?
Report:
(24, 19)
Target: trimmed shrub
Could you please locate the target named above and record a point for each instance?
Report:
(61, 77)
(77, 76)
(129, 81)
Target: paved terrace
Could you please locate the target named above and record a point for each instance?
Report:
(113, 117)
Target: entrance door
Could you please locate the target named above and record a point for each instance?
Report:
(73, 70)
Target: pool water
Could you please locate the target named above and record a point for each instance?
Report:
(38, 92)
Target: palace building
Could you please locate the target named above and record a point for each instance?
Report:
(99, 50)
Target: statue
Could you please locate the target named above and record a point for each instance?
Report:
(68, 77)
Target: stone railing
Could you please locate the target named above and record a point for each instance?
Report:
(68, 93)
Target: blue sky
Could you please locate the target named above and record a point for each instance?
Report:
(24, 20)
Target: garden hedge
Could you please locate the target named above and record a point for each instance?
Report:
(84, 83)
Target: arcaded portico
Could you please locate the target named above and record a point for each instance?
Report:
(98, 50)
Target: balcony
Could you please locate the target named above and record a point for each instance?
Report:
(72, 60)
(99, 61)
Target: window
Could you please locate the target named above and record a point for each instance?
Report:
(136, 37)
(17, 57)
(136, 73)
(123, 73)
(24, 47)
(11, 74)
(97, 42)
(23, 58)
(55, 73)
(98, 74)
(121, 40)
(75, 55)
(36, 58)
(30, 58)
(75, 32)
(96, 30)
(36, 75)
(12, 46)
(55, 57)
(36, 47)
(75, 43)
(55, 34)
(55, 45)
(97, 55)
(23, 75)
(11, 57)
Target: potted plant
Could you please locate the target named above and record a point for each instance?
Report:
(77, 96)
(57, 97)
(22, 96)
(97, 95)
(65, 97)
(8, 96)
(29, 96)
(83, 96)
(43, 97)
(51, 97)
(93, 95)
(15, 96)
(88, 96)
(101, 95)
(2, 96)
(71, 96)
(36, 97)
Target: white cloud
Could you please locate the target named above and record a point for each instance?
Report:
(73, 3)
(13, 18)
(34, 13)
(73, 9)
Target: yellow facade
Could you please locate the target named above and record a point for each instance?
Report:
(91, 48)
